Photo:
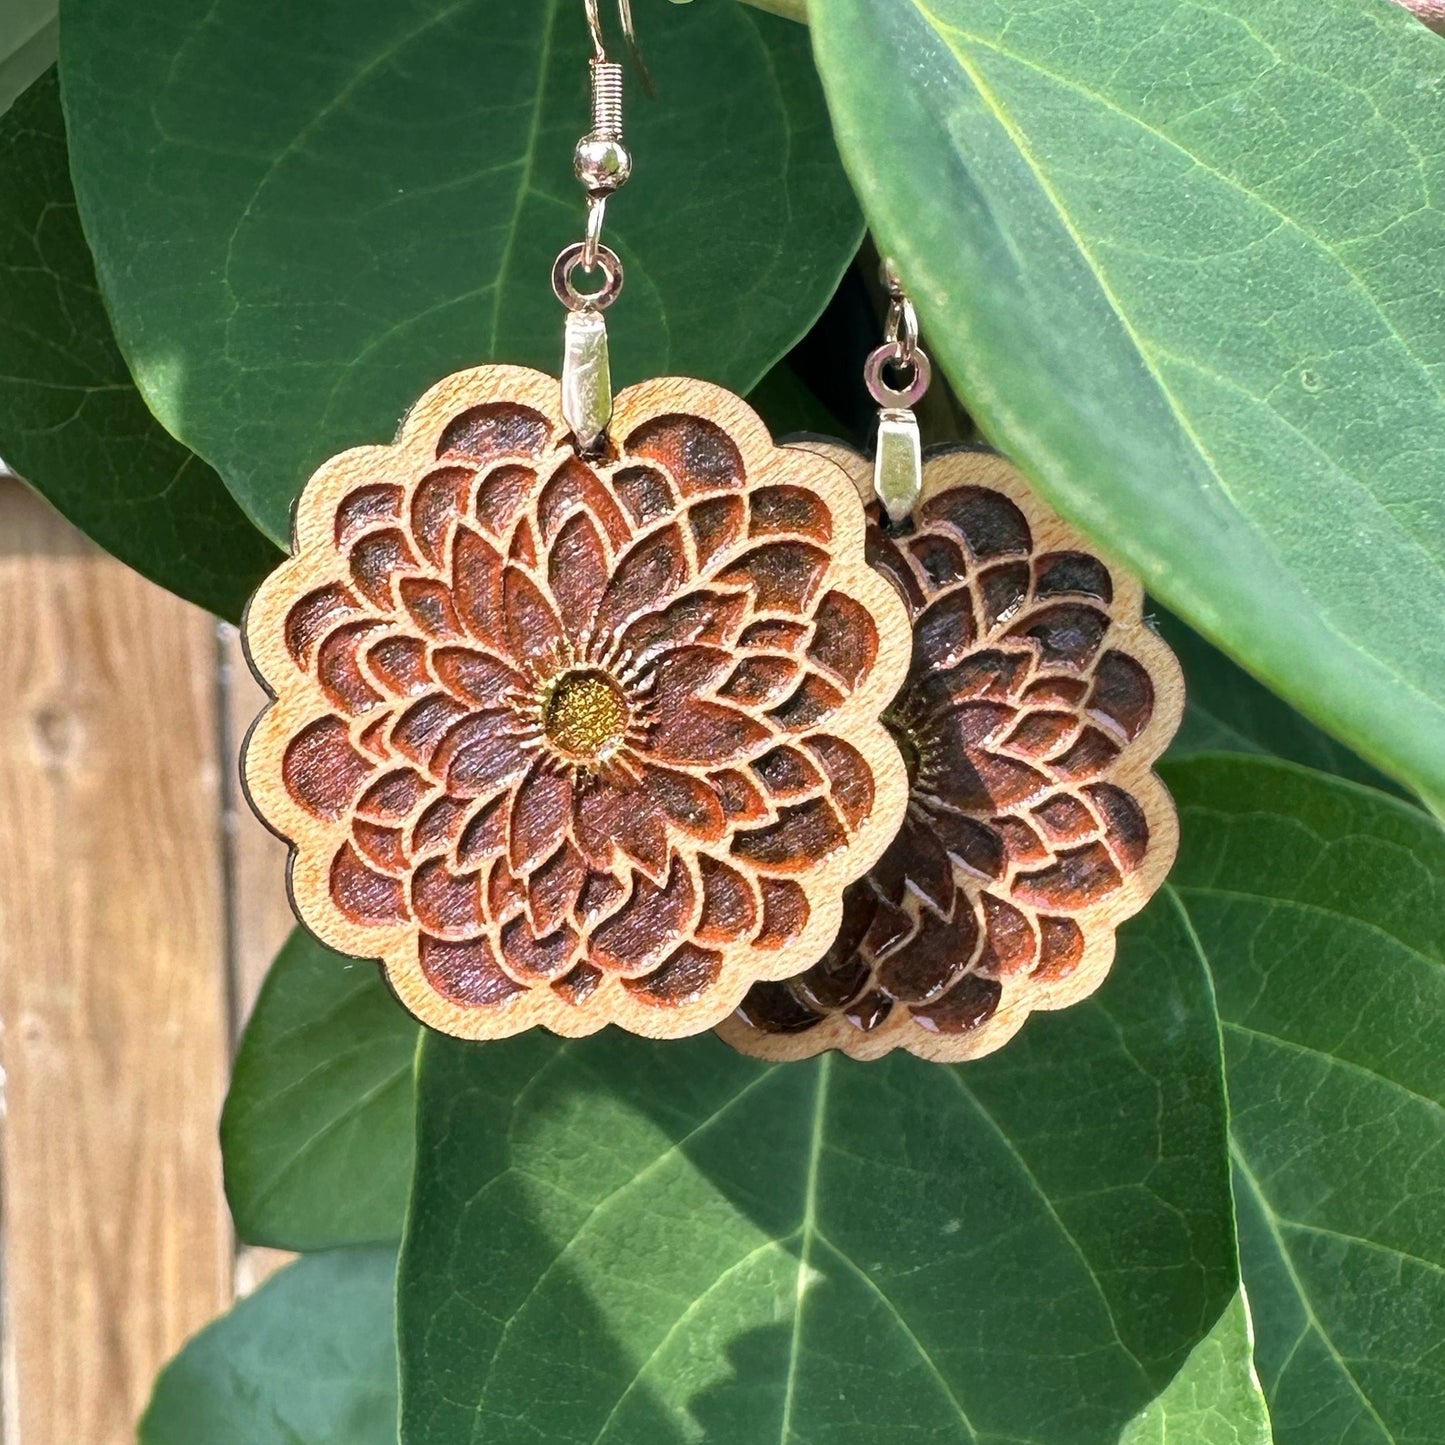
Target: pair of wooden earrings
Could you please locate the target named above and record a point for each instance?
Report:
(591, 711)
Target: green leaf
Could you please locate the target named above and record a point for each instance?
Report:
(1216, 1398)
(1318, 905)
(1182, 261)
(317, 1134)
(71, 421)
(306, 214)
(309, 1359)
(27, 45)
(612, 1241)
(1227, 711)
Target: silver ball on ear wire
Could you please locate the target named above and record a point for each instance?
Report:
(601, 164)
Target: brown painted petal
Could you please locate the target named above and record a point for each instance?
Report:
(849, 778)
(1126, 829)
(636, 938)
(313, 616)
(983, 782)
(786, 773)
(553, 889)
(653, 569)
(969, 1004)
(784, 576)
(890, 928)
(477, 586)
(601, 893)
(842, 973)
(1091, 755)
(501, 495)
(481, 755)
(1063, 948)
(1042, 734)
(577, 571)
(742, 799)
(419, 731)
(365, 507)
(399, 665)
(776, 634)
(377, 560)
(466, 973)
(1080, 877)
(939, 559)
(610, 815)
(1062, 573)
(972, 724)
(716, 524)
(944, 631)
(439, 828)
(485, 837)
(703, 733)
(785, 912)
(884, 556)
(789, 510)
(930, 960)
(534, 631)
(680, 674)
(523, 548)
(445, 904)
(687, 974)
(541, 810)
(1068, 633)
(1002, 590)
(990, 523)
(476, 677)
(574, 489)
(698, 453)
(772, 1008)
(646, 493)
(973, 844)
(362, 894)
(809, 703)
(538, 959)
(394, 796)
(703, 615)
(506, 893)
(866, 1013)
(801, 838)
(1020, 843)
(1064, 819)
(579, 985)
(929, 870)
(1123, 694)
(495, 429)
(379, 845)
(322, 771)
(758, 681)
(430, 606)
(845, 639)
(438, 502)
(1009, 945)
(691, 803)
(1056, 692)
(730, 908)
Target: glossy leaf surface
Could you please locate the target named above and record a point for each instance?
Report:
(71, 420)
(1182, 261)
(305, 215)
(611, 1241)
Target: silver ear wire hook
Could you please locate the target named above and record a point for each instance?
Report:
(602, 164)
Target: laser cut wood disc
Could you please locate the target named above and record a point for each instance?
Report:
(1036, 705)
(568, 742)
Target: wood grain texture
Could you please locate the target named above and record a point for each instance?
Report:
(112, 982)
(569, 742)
(1036, 706)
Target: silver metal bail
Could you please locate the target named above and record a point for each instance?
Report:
(898, 454)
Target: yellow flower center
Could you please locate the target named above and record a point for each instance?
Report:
(585, 716)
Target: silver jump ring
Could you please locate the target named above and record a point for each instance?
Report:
(569, 261)
(893, 353)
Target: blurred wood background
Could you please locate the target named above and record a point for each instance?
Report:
(140, 904)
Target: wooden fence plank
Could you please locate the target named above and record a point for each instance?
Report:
(112, 980)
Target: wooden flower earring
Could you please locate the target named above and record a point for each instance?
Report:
(1036, 703)
(576, 711)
